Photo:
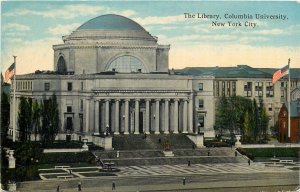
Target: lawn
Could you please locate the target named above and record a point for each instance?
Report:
(270, 152)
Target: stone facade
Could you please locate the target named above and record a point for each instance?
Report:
(117, 80)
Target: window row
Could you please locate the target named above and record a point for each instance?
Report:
(258, 89)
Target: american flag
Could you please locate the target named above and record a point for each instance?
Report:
(10, 72)
(280, 73)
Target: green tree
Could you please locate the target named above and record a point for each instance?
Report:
(24, 119)
(246, 127)
(5, 115)
(50, 120)
(264, 122)
(222, 115)
(36, 120)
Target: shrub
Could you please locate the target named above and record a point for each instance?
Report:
(53, 158)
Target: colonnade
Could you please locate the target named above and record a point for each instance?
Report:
(157, 115)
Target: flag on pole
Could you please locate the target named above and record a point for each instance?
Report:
(280, 73)
(9, 73)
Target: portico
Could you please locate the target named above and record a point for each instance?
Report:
(136, 112)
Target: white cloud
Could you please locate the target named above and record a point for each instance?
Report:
(269, 32)
(63, 29)
(16, 27)
(65, 12)
(127, 13)
(160, 20)
(252, 39)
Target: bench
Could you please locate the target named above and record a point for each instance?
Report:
(286, 161)
(61, 167)
(65, 176)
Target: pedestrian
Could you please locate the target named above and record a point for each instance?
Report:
(70, 171)
(189, 163)
(118, 154)
(159, 140)
(113, 185)
(145, 135)
(249, 162)
(183, 181)
(235, 153)
(193, 146)
(79, 186)
(208, 153)
(58, 188)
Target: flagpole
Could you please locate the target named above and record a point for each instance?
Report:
(289, 102)
(14, 101)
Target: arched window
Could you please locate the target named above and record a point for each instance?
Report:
(61, 66)
(127, 64)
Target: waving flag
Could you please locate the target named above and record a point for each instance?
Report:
(280, 73)
(9, 73)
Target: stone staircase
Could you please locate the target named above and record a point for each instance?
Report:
(132, 150)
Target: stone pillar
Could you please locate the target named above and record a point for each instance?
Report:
(126, 116)
(107, 124)
(190, 115)
(166, 116)
(147, 118)
(185, 116)
(87, 115)
(96, 129)
(175, 115)
(117, 117)
(137, 116)
(157, 117)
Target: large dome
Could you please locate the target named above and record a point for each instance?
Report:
(110, 22)
(113, 28)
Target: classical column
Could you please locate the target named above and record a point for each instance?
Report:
(126, 116)
(136, 118)
(166, 116)
(190, 114)
(107, 124)
(175, 115)
(96, 129)
(147, 114)
(157, 116)
(185, 117)
(87, 115)
(117, 117)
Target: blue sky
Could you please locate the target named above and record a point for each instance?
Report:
(29, 29)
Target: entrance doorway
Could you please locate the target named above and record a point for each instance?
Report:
(141, 122)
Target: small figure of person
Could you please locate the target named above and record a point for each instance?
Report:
(70, 171)
(159, 140)
(58, 188)
(193, 146)
(183, 181)
(79, 186)
(145, 135)
(249, 162)
(189, 163)
(208, 153)
(113, 187)
(235, 153)
(118, 154)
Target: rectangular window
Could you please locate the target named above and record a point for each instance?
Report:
(258, 89)
(201, 103)
(200, 86)
(217, 89)
(70, 86)
(200, 120)
(282, 84)
(223, 88)
(69, 109)
(269, 89)
(228, 88)
(248, 89)
(270, 107)
(81, 105)
(47, 86)
(282, 93)
(233, 88)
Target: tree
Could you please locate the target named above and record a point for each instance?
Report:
(24, 119)
(221, 115)
(5, 115)
(264, 122)
(50, 120)
(36, 120)
(246, 127)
